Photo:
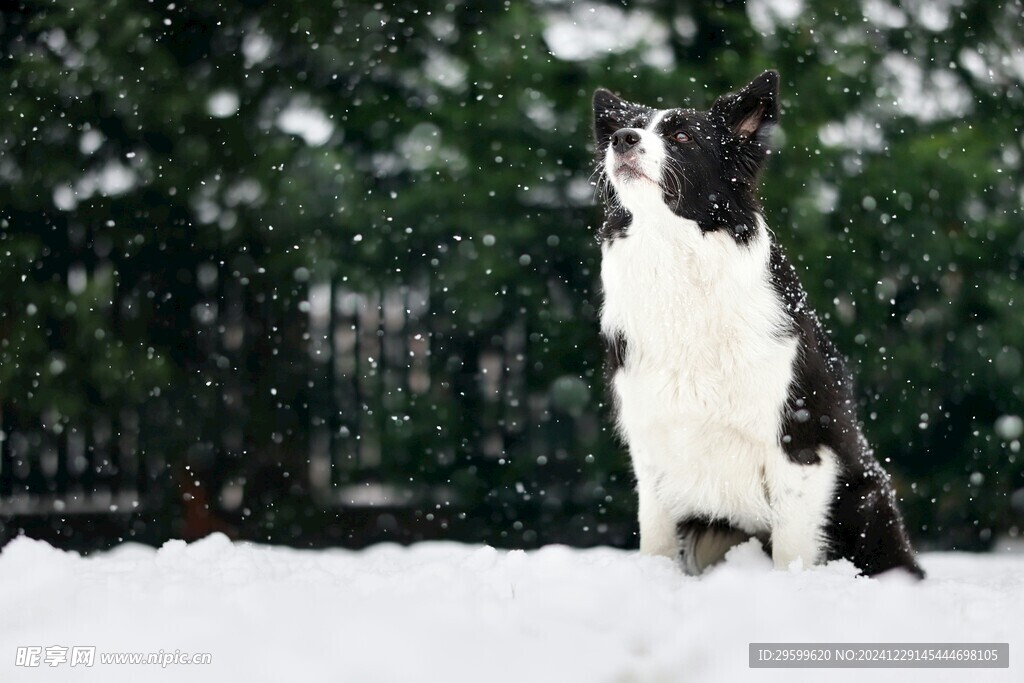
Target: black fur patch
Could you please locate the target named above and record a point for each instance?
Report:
(865, 526)
(616, 224)
(701, 524)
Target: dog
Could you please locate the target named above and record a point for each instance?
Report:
(736, 407)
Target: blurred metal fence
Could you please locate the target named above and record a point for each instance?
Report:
(47, 466)
(373, 399)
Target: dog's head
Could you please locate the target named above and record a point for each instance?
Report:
(702, 165)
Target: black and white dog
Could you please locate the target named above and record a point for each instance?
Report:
(736, 407)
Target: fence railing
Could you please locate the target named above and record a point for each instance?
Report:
(397, 408)
(48, 467)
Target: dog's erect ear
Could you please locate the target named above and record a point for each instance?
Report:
(752, 111)
(608, 114)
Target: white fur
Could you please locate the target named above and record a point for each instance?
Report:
(705, 378)
(800, 497)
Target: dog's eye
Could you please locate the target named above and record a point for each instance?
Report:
(682, 137)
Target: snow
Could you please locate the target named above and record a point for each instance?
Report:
(767, 15)
(856, 132)
(256, 46)
(590, 30)
(222, 104)
(1009, 427)
(307, 121)
(882, 14)
(452, 612)
(113, 179)
(928, 95)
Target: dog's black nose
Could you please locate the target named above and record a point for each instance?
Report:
(624, 140)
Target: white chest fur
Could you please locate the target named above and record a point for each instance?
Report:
(707, 368)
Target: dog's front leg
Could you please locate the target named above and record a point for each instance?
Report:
(658, 534)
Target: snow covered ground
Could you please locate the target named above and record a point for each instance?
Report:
(450, 612)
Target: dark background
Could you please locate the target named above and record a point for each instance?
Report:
(325, 273)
